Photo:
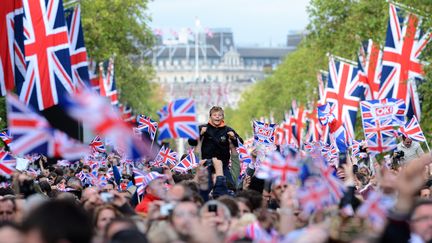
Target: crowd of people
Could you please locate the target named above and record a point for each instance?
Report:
(214, 202)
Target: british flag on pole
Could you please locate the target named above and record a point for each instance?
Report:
(33, 134)
(78, 52)
(344, 93)
(369, 64)
(166, 156)
(401, 64)
(146, 124)
(7, 163)
(413, 130)
(379, 133)
(48, 77)
(97, 145)
(107, 84)
(178, 120)
(11, 48)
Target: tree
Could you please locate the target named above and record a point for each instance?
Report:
(336, 27)
(120, 28)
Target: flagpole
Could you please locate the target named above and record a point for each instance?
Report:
(407, 8)
(342, 59)
(427, 145)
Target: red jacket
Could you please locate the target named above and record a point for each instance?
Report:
(142, 207)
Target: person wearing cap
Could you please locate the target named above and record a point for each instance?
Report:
(155, 190)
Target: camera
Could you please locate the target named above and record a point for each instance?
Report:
(107, 197)
(397, 156)
(208, 162)
(159, 170)
(212, 208)
(166, 209)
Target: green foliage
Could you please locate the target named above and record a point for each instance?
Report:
(336, 27)
(120, 28)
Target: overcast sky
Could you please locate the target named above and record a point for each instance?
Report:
(253, 21)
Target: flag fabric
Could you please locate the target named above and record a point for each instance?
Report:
(6, 137)
(107, 83)
(97, 145)
(166, 156)
(187, 163)
(243, 154)
(10, 51)
(278, 168)
(146, 124)
(78, 52)
(374, 209)
(7, 163)
(126, 113)
(369, 64)
(326, 113)
(339, 135)
(379, 134)
(313, 195)
(178, 120)
(264, 132)
(102, 119)
(384, 109)
(257, 233)
(314, 128)
(344, 93)
(413, 130)
(93, 75)
(48, 76)
(298, 114)
(33, 134)
(139, 180)
(401, 59)
(334, 184)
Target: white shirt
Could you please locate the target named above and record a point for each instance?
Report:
(414, 151)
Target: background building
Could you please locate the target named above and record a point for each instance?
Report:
(207, 66)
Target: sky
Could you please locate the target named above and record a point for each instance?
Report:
(253, 22)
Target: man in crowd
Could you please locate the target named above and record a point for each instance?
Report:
(411, 149)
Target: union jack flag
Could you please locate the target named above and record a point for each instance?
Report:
(401, 64)
(93, 75)
(48, 76)
(334, 184)
(78, 52)
(97, 145)
(7, 163)
(102, 119)
(257, 233)
(326, 114)
(413, 130)
(374, 209)
(393, 109)
(166, 157)
(314, 130)
(178, 120)
(148, 125)
(379, 134)
(313, 195)
(139, 180)
(369, 64)
(33, 134)
(344, 93)
(126, 113)
(264, 132)
(339, 135)
(298, 115)
(107, 84)
(10, 52)
(6, 137)
(189, 162)
(278, 168)
(243, 154)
